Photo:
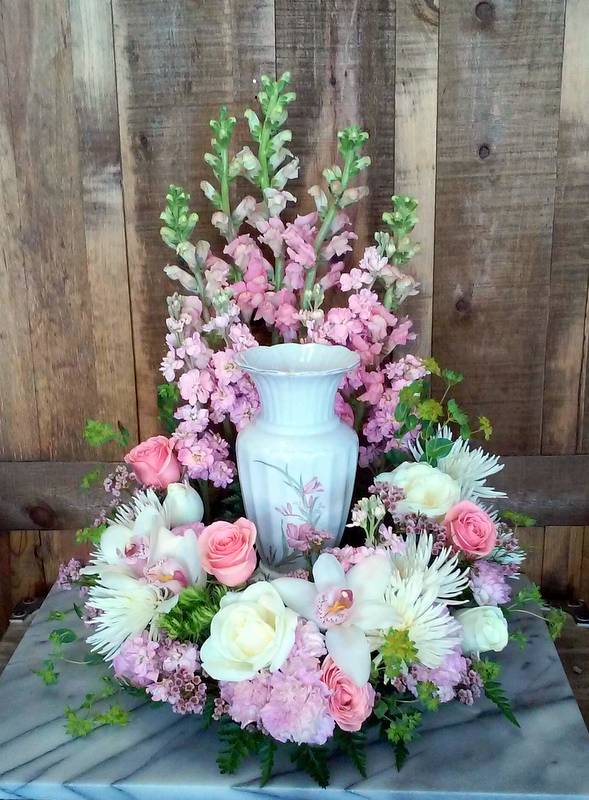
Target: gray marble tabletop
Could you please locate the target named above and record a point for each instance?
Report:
(464, 753)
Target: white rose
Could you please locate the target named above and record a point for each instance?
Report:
(251, 631)
(483, 628)
(182, 505)
(427, 490)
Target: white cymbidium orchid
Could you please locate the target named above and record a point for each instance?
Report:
(345, 605)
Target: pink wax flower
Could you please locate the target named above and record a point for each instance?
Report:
(470, 529)
(349, 704)
(154, 463)
(227, 550)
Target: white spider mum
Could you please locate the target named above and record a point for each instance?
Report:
(128, 513)
(126, 606)
(428, 624)
(469, 467)
(442, 577)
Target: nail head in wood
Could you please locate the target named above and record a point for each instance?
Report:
(485, 12)
(484, 151)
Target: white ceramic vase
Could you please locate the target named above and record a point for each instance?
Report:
(297, 460)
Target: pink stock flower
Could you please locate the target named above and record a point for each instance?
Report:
(350, 705)
(470, 529)
(227, 550)
(154, 462)
(136, 662)
(196, 386)
(488, 584)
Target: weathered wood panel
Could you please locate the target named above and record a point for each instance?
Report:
(416, 108)
(564, 423)
(342, 57)
(71, 238)
(498, 105)
(176, 63)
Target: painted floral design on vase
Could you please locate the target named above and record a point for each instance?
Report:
(297, 460)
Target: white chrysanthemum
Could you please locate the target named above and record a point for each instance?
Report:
(442, 576)
(127, 514)
(469, 468)
(428, 624)
(126, 607)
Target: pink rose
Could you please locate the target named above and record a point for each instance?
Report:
(154, 462)
(227, 550)
(349, 704)
(470, 529)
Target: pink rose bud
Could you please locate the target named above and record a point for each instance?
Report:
(349, 704)
(154, 462)
(470, 529)
(227, 550)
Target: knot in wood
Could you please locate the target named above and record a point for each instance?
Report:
(485, 12)
(42, 515)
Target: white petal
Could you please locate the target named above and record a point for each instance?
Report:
(370, 578)
(182, 505)
(147, 522)
(297, 594)
(113, 542)
(349, 648)
(181, 548)
(328, 572)
(221, 668)
(372, 616)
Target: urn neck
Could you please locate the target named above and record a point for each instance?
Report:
(297, 403)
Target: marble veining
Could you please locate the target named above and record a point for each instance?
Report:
(463, 754)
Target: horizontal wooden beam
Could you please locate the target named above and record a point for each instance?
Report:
(46, 495)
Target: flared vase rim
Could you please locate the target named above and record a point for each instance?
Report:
(243, 360)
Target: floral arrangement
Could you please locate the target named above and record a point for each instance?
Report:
(374, 632)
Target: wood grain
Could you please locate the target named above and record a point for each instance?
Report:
(532, 540)
(79, 329)
(342, 57)
(416, 100)
(498, 105)
(564, 396)
(176, 63)
(563, 552)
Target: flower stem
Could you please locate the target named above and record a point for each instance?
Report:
(225, 193)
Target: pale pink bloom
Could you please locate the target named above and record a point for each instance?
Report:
(241, 337)
(170, 365)
(196, 386)
(470, 529)
(272, 232)
(195, 418)
(294, 275)
(227, 551)
(332, 276)
(349, 704)
(154, 462)
(354, 280)
(344, 410)
(338, 245)
(240, 250)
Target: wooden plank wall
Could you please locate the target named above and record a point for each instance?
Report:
(480, 109)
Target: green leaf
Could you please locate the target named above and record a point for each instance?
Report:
(47, 673)
(90, 478)
(313, 761)
(404, 727)
(432, 366)
(90, 535)
(489, 672)
(486, 427)
(401, 753)
(61, 636)
(555, 619)
(427, 693)
(529, 594)
(98, 433)
(116, 715)
(354, 746)
(397, 650)
(237, 744)
(168, 396)
(56, 615)
(452, 378)
(76, 725)
(266, 751)
(456, 413)
(437, 448)
(401, 411)
(517, 519)
(520, 638)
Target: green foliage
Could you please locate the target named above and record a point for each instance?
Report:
(77, 725)
(47, 673)
(460, 417)
(404, 727)
(179, 221)
(489, 672)
(397, 650)
(354, 746)
(98, 433)
(61, 636)
(208, 711)
(350, 142)
(555, 620)
(191, 617)
(313, 761)
(231, 504)
(429, 410)
(237, 744)
(517, 519)
(427, 694)
(486, 427)
(435, 449)
(168, 396)
(529, 594)
(90, 478)
(520, 638)
(266, 751)
(56, 615)
(432, 366)
(90, 535)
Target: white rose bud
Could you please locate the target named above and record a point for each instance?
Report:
(253, 630)
(182, 505)
(483, 628)
(427, 489)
